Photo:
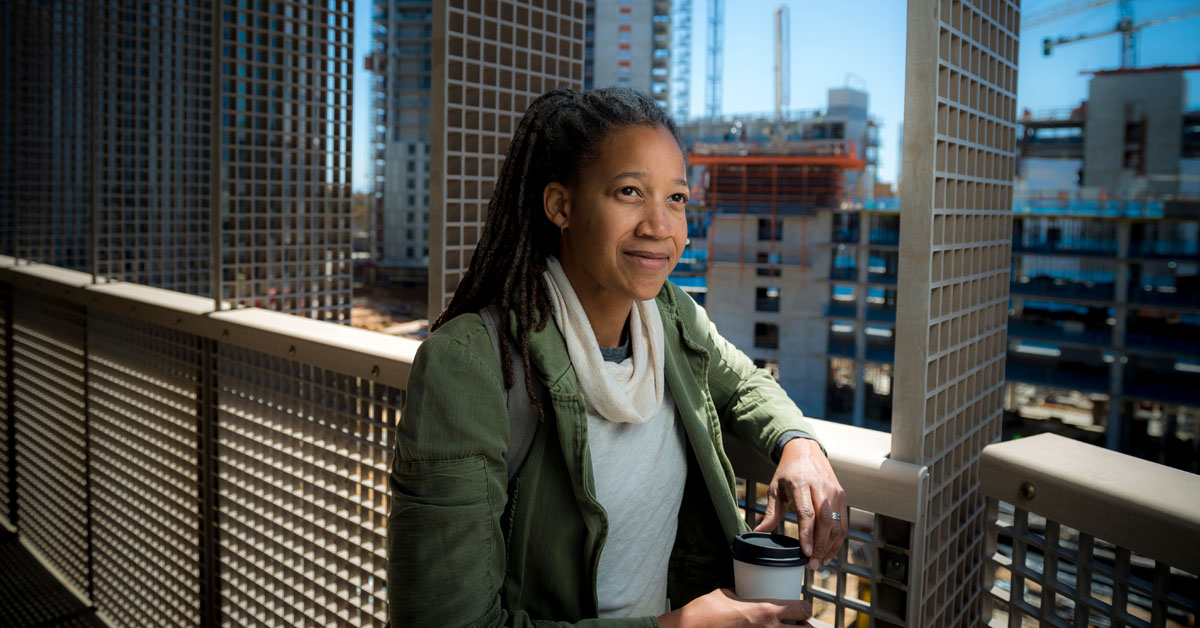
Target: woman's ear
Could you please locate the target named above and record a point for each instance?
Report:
(557, 204)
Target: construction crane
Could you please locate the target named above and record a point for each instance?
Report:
(716, 53)
(1060, 11)
(1127, 29)
(782, 66)
(681, 95)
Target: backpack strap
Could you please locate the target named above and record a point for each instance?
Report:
(522, 420)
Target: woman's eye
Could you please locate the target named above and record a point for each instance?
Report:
(628, 191)
(679, 198)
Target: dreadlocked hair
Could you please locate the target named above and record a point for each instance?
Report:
(561, 132)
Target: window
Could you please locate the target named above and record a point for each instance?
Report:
(770, 230)
(766, 336)
(771, 366)
(767, 265)
(766, 299)
(839, 389)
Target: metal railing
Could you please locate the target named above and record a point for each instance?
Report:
(1081, 536)
(870, 581)
(178, 466)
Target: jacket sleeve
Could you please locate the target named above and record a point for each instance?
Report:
(448, 484)
(748, 399)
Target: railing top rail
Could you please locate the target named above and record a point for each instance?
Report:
(860, 457)
(366, 354)
(1151, 509)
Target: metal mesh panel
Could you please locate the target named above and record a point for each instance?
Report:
(152, 143)
(144, 469)
(866, 581)
(1057, 576)
(44, 163)
(48, 392)
(302, 465)
(285, 141)
(496, 62)
(956, 233)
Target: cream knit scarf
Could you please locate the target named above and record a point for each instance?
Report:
(625, 392)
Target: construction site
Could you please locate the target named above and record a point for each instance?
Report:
(794, 251)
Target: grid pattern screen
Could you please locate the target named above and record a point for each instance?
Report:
(285, 76)
(955, 295)
(50, 398)
(303, 458)
(497, 58)
(144, 469)
(153, 143)
(44, 176)
(137, 120)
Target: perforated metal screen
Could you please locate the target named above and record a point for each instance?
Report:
(496, 58)
(49, 386)
(955, 241)
(144, 453)
(302, 465)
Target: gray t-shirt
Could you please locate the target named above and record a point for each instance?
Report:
(639, 472)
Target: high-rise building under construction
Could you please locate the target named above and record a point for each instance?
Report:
(628, 44)
(401, 63)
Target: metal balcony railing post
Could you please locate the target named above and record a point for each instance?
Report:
(214, 159)
(88, 520)
(10, 408)
(94, 187)
(206, 422)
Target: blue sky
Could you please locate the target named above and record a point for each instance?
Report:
(861, 43)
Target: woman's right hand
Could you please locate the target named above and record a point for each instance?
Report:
(723, 609)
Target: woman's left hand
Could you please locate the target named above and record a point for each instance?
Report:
(805, 480)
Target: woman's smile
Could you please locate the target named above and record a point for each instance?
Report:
(648, 260)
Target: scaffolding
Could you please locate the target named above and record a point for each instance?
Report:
(760, 183)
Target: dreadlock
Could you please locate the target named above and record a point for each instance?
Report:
(561, 132)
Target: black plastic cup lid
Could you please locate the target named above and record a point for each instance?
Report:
(767, 549)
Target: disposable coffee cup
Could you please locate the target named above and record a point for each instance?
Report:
(767, 565)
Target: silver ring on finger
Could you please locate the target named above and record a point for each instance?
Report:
(837, 516)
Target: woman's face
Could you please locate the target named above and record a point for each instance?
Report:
(624, 216)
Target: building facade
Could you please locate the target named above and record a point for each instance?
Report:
(402, 66)
(628, 44)
(1103, 336)
(769, 194)
(143, 149)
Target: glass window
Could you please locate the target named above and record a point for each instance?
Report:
(766, 299)
(766, 336)
(769, 231)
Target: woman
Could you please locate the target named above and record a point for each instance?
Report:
(624, 507)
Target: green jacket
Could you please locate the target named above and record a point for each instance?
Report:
(467, 549)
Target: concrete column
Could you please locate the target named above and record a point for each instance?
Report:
(862, 258)
(948, 332)
(1116, 370)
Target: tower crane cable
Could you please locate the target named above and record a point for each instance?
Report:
(1127, 29)
(1061, 11)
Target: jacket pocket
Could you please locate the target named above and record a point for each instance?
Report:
(442, 542)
